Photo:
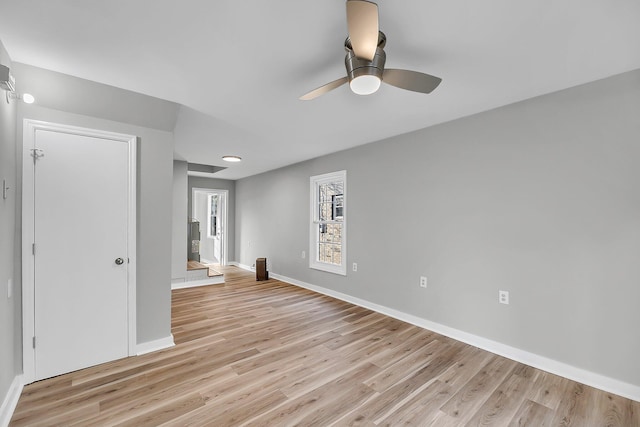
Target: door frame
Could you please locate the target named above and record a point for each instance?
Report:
(30, 127)
(225, 240)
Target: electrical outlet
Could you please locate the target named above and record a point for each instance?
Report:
(9, 288)
(355, 266)
(303, 255)
(503, 297)
(423, 281)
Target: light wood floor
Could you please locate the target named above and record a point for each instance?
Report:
(270, 354)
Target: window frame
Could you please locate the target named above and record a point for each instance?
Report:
(314, 222)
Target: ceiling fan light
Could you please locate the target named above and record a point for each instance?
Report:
(365, 84)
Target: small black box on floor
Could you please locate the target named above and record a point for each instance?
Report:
(261, 269)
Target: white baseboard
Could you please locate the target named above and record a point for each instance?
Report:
(11, 401)
(150, 346)
(243, 266)
(216, 280)
(583, 376)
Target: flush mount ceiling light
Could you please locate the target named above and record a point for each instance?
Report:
(8, 83)
(232, 159)
(27, 98)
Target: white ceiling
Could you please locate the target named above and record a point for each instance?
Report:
(239, 66)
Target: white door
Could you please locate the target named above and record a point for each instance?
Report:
(80, 229)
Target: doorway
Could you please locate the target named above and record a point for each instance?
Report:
(79, 244)
(209, 208)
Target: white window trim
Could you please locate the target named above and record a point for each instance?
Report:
(315, 181)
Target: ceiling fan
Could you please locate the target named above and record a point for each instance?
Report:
(365, 58)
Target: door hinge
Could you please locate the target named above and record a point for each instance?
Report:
(33, 248)
(34, 342)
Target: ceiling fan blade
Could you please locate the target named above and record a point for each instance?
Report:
(362, 20)
(324, 89)
(411, 80)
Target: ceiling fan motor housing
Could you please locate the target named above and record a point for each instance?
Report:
(357, 67)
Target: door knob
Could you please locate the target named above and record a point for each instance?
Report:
(119, 261)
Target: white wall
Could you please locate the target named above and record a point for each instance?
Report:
(539, 198)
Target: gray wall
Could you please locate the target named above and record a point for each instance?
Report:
(218, 184)
(10, 341)
(72, 94)
(179, 228)
(539, 198)
(154, 177)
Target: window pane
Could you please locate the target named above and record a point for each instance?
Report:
(336, 255)
(334, 231)
(328, 190)
(330, 243)
(325, 211)
(324, 256)
(324, 235)
(330, 253)
(331, 201)
(337, 209)
(330, 233)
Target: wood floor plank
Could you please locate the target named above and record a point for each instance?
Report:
(421, 408)
(234, 411)
(532, 414)
(503, 403)
(271, 354)
(170, 411)
(404, 367)
(59, 416)
(395, 396)
(406, 345)
(468, 400)
(353, 420)
(313, 403)
(467, 364)
(549, 389)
